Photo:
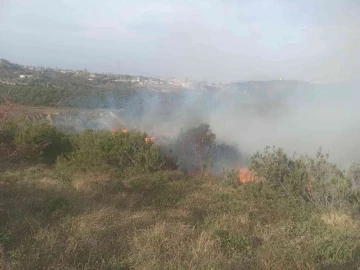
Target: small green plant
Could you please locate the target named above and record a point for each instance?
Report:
(58, 206)
(6, 238)
(231, 242)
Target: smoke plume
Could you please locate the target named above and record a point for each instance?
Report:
(298, 116)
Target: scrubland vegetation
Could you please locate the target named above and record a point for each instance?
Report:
(97, 200)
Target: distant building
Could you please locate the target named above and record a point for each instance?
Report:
(25, 76)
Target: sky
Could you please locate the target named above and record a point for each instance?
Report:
(212, 40)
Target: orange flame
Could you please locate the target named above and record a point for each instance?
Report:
(150, 139)
(123, 130)
(309, 186)
(245, 175)
(116, 129)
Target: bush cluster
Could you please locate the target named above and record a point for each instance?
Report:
(313, 179)
(98, 150)
(195, 150)
(120, 152)
(16, 134)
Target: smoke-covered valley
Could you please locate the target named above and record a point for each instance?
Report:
(298, 116)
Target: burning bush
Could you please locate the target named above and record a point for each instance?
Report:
(196, 151)
(193, 148)
(246, 175)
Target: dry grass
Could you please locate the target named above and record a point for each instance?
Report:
(340, 220)
(3, 262)
(174, 246)
(93, 222)
(90, 182)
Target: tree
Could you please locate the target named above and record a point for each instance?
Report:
(195, 148)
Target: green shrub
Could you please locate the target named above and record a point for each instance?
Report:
(280, 170)
(314, 179)
(58, 142)
(330, 184)
(10, 128)
(120, 152)
(7, 132)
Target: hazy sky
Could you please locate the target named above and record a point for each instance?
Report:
(212, 39)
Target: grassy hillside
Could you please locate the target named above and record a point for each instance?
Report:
(166, 220)
(97, 200)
